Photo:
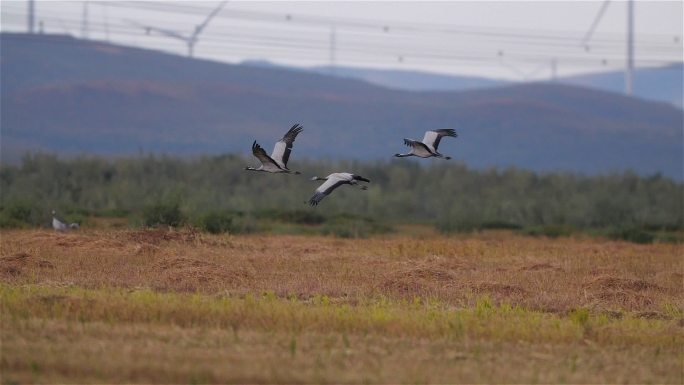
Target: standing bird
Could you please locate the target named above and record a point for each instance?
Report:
(277, 162)
(61, 226)
(428, 147)
(334, 181)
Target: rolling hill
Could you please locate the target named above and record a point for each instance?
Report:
(69, 96)
(664, 84)
(659, 83)
(413, 80)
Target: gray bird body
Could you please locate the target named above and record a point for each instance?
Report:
(58, 225)
(427, 148)
(334, 181)
(277, 162)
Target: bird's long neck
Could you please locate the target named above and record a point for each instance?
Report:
(253, 169)
(402, 155)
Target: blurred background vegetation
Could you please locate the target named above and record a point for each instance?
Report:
(216, 194)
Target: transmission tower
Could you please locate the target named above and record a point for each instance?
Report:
(333, 47)
(30, 16)
(629, 70)
(191, 39)
(629, 65)
(84, 21)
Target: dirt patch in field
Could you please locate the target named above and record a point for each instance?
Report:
(600, 271)
(184, 263)
(404, 288)
(151, 241)
(189, 274)
(415, 281)
(627, 299)
(652, 315)
(73, 241)
(498, 289)
(157, 236)
(69, 240)
(426, 273)
(454, 264)
(15, 265)
(608, 282)
(541, 267)
(611, 291)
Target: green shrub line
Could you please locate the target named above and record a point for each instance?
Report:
(163, 214)
(216, 195)
(298, 222)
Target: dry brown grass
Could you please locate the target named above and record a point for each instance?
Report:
(549, 275)
(178, 306)
(142, 353)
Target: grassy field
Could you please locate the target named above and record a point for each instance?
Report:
(187, 307)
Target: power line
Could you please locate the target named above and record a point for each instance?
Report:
(598, 17)
(360, 40)
(666, 47)
(375, 25)
(297, 50)
(349, 40)
(30, 15)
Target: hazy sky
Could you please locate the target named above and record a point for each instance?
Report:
(507, 39)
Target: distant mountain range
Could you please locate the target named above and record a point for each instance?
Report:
(665, 84)
(396, 79)
(70, 96)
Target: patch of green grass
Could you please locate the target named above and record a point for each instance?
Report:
(165, 213)
(632, 234)
(351, 226)
(21, 214)
(418, 318)
(304, 217)
(551, 231)
(113, 213)
(217, 222)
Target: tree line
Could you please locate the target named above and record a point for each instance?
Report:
(446, 194)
